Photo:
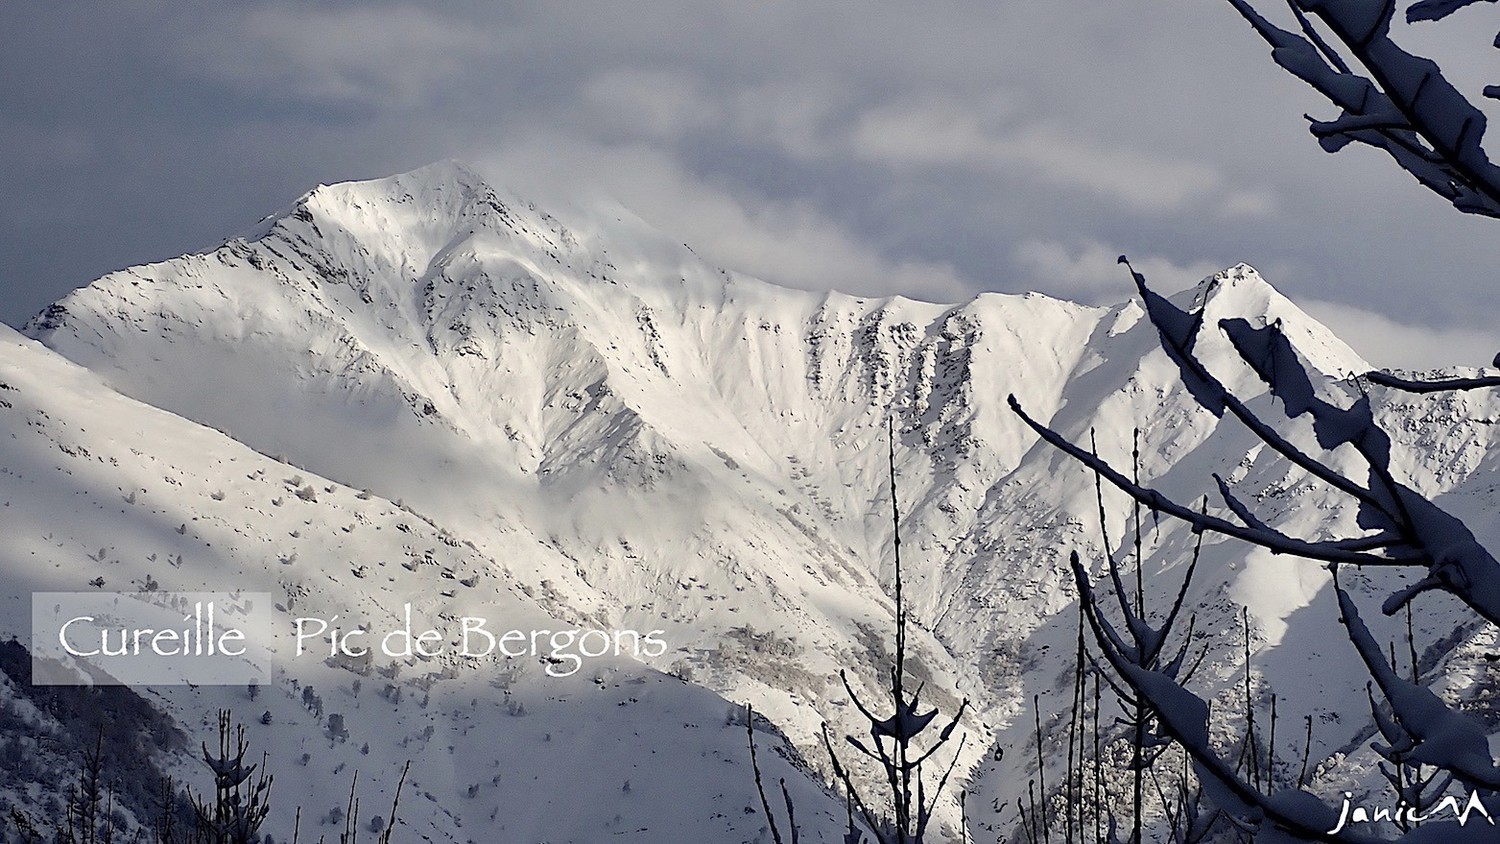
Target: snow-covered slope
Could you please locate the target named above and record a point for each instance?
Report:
(622, 435)
(96, 485)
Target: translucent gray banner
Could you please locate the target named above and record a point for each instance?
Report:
(152, 638)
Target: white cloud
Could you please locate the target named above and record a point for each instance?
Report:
(790, 243)
(1387, 343)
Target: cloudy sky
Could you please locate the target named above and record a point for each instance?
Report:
(936, 150)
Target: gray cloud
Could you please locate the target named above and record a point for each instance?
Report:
(370, 57)
(949, 134)
(934, 150)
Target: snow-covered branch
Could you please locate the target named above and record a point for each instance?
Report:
(1401, 103)
(1421, 733)
(1178, 332)
(1410, 529)
(1442, 385)
(1326, 551)
(1182, 717)
(1424, 729)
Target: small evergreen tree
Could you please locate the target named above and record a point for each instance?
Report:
(241, 796)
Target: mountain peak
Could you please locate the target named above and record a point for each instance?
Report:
(444, 188)
(1241, 282)
(446, 171)
(1241, 292)
(443, 176)
(406, 225)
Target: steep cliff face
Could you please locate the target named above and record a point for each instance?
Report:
(630, 437)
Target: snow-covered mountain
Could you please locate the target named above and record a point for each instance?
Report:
(97, 485)
(576, 420)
